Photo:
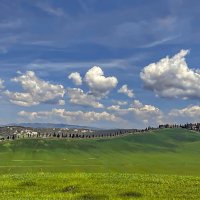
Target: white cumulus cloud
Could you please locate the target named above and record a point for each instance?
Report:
(121, 103)
(172, 78)
(191, 113)
(61, 102)
(124, 89)
(36, 91)
(98, 83)
(114, 107)
(70, 116)
(148, 113)
(138, 113)
(76, 78)
(137, 104)
(77, 96)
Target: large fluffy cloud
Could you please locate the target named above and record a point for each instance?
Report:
(77, 96)
(124, 90)
(36, 91)
(98, 83)
(70, 116)
(76, 78)
(171, 77)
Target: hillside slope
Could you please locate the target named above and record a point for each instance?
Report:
(167, 151)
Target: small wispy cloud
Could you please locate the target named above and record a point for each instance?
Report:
(60, 66)
(49, 9)
(48, 43)
(6, 42)
(84, 6)
(161, 41)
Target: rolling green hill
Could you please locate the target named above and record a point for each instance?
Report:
(148, 166)
(166, 151)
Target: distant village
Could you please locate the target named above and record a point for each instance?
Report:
(19, 132)
(189, 126)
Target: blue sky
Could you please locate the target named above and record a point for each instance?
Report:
(43, 42)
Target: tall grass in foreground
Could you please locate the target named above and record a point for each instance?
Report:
(98, 186)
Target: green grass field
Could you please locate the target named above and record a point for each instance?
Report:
(163, 164)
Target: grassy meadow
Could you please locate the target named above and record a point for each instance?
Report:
(163, 164)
